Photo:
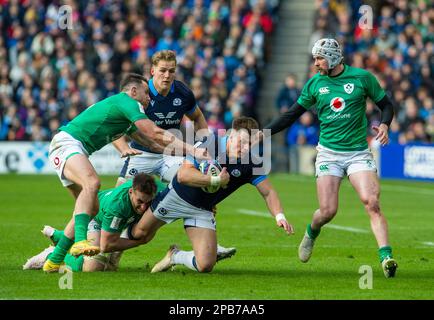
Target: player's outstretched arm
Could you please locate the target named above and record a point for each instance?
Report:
(274, 206)
(146, 142)
(111, 242)
(164, 141)
(124, 149)
(192, 177)
(286, 119)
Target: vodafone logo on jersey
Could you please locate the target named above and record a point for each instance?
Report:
(337, 104)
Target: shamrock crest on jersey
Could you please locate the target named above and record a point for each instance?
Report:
(349, 87)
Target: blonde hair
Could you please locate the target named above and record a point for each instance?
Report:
(163, 55)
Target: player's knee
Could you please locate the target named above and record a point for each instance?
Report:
(92, 264)
(205, 267)
(328, 212)
(205, 263)
(372, 204)
(92, 185)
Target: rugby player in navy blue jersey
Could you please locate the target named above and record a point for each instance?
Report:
(170, 101)
(185, 199)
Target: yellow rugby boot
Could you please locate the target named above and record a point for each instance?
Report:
(84, 248)
(51, 267)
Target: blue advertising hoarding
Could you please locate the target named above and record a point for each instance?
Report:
(412, 161)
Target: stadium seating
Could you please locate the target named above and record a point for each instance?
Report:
(398, 50)
(56, 61)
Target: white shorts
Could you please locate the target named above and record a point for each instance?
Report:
(94, 226)
(152, 163)
(62, 147)
(335, 163)
(169, 207)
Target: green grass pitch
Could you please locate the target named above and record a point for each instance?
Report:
(266, 264)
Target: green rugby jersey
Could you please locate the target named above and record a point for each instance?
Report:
(105, 121)
(115, 209)
(341, 106)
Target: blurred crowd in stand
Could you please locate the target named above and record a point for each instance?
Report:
(56, 60)
(398, 49)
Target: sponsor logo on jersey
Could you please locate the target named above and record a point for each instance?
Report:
(152, 102)
(349, 87)
(324, 90)
(115, 223)
(338, 115)
(236, 173)
(177, 102)
(166, 119)
(337, 104)
(161, 115)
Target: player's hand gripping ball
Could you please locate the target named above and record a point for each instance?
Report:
(210, 168)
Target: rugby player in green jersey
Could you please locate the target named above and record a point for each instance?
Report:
(340, 92)
(119, 209)
(98, 125)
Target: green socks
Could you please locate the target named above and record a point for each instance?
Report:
(61, 249)
(75, 263)
(385, 252)
(81, 221)
(57, 235)
(311, 232)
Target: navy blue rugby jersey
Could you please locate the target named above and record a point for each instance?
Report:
(240, 173)
(167, 111)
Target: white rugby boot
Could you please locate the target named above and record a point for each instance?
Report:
(224, 253)
(167, 262)
(389, 266)
(305, 249)
(48, 232)
(37, 262)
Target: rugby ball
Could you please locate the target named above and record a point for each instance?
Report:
(210, 168)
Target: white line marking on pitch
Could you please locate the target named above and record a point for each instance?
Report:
(383, 186)
(332, 226)
(408, 190)
(428, 243)
(254, 213)
(350, 229)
